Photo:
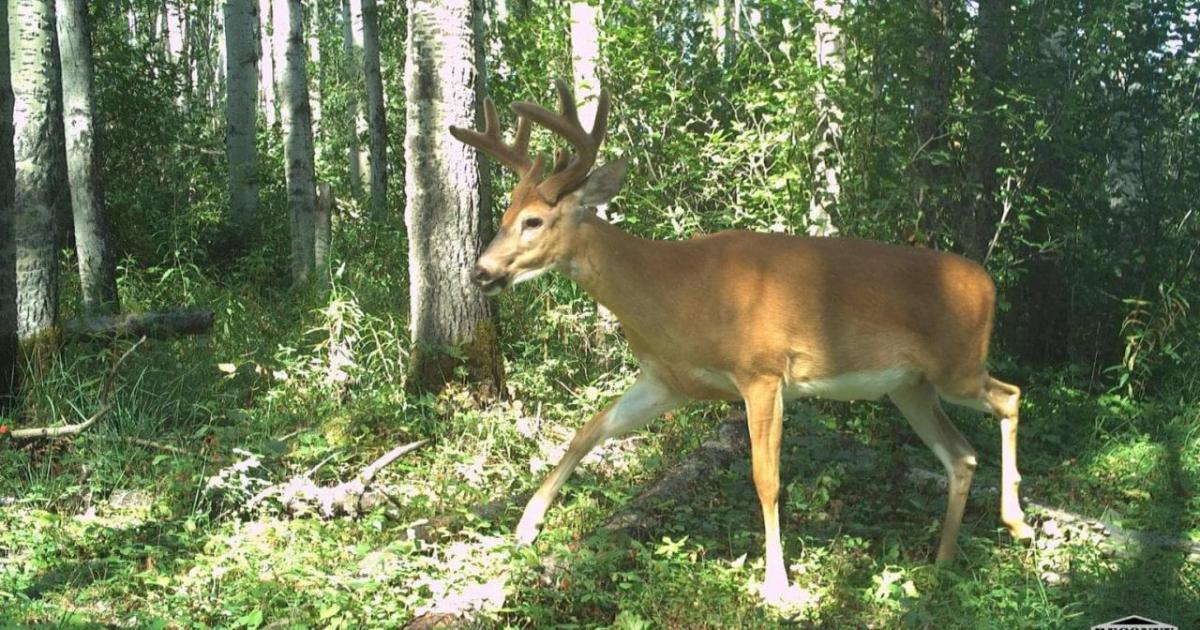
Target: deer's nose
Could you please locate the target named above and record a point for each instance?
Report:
(480, 275)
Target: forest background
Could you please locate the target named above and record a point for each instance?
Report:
(273, 161)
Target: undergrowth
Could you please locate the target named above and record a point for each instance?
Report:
(115, 527)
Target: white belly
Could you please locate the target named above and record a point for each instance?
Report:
(850, 386)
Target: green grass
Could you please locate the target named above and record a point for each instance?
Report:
(105, 532)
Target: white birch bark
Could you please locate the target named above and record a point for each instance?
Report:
(316, 94)
(446, 211)
(175, 29)
(360, 167)
(297, 135)
(242, 41)
(97, 269)
(266, 64)
(826, 158)
(37, 107)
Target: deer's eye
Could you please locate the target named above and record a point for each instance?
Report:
(532, 223)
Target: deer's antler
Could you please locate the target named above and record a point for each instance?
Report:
(515, 156)
(568, 175)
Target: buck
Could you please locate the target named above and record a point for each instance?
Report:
(765, 318)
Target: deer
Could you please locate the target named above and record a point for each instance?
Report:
(760, 317)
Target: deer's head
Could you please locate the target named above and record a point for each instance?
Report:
(540, 226)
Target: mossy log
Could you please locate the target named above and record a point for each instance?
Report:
(154, 325)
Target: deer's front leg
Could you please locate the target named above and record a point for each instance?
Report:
(764, 412)
(644, 401)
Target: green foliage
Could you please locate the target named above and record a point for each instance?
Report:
(1096, 288)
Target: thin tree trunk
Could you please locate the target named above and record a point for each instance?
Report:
(447, 210)
(360, 170)
(8, 270)
(931, 112)
(977, 219)
(316, 94)
(266, 63)
(241, 41)
(323, 230)
(376, 120)
(216, 42)
(585, 56)
(297, 140)
(37, 114)
(175, 30)
(97, 269)
(826, 156)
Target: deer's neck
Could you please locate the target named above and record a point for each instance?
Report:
(616, 268)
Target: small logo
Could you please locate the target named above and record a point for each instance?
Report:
(1134, 622)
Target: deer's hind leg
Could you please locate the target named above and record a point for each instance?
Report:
(920, 406)
(1003, 401)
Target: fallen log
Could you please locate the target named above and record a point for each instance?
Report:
(154, 325)
(79, 427)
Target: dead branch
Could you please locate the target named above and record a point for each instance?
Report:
(300, 495)
(73, 429)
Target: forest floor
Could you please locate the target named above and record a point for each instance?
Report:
(121, 526)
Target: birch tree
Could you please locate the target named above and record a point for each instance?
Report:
(826, 159)
(447, 209)
(241, 43)
(37, 116)
(97, 269)
(297, 135)
(266, 63)
(376, 120)
(353, 48)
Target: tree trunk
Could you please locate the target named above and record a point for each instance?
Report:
(826, 156)
(978, 219)
(315, 95)
(241, 42)
(97, 269)
(8, 275)
(297, 140)
(360, 172)
(323, 230)
(376, 120)
(175, 30)
(266, 63)
(448, 215)
(931, 112)
(37, 114)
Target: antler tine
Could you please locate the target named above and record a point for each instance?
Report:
(567, 126)
(515, 156)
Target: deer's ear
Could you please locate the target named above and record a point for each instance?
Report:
(603, 184)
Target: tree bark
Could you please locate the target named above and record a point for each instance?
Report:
(8, 275)
(376, 121)
(977, 219)
(175, 29)
(97, 269)
(360, 169)
(323, 229)
(37, 141)
(297, 130)
(266, 63)
(448, 215)
(241, 42)
(316, 94)
(153, 325)
(826, 157)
